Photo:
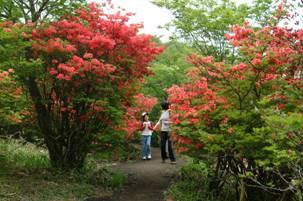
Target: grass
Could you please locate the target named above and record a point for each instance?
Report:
(25, 174)
(190, 184)
(38, 189)
(25, 156)
(194, 183)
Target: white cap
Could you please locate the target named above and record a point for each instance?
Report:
(144, 113)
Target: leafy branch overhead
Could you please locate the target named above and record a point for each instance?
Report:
(204, 23)
(36, 10)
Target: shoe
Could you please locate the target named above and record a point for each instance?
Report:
(173, 162)
(163, 161)
(149, 157)
(144, 158)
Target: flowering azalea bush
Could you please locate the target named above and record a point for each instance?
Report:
(80, 73)
(247, 114)
(15, 110)
(9, 113)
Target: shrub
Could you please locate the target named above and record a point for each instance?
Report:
(77, 72)
(246, 116)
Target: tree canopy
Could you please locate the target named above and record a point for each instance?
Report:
(36, 10)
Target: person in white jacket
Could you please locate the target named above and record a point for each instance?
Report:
(147, 131)
(165, 124)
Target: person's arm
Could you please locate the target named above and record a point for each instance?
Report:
(157, 124)
(169, 112)
(151, 126)
(142, 127)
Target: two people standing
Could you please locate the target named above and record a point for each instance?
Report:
(165, 127)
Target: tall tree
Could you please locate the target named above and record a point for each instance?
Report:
(204, 23)
(35, 10)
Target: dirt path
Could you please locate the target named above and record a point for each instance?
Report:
(147, 180)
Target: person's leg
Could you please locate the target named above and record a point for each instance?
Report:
(170, 150)
(143, 147)
(163, 143)
(148, 149)
(166, 149)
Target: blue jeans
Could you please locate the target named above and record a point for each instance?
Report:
(146, 145)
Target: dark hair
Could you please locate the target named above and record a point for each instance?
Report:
(143, 116)
(165, 105)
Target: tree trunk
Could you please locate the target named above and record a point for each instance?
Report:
(66, 150)
(70, 158)
(242, 191)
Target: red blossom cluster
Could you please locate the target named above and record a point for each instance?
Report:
(5, 74)
(271, 52)
(94, 42)
(192, 103)
(89, 51)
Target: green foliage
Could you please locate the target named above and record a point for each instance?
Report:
(263, 139)
(16, 109)
(12, 105)
(118, 179)
(261, 10)
(169, 68)
(113, 146)
(194, 183)
(31, 10)
(9, 11)
(204, 23)
(249, 127)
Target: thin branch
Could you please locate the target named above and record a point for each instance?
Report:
(41, 9)
(22, 6)
(264, 187)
